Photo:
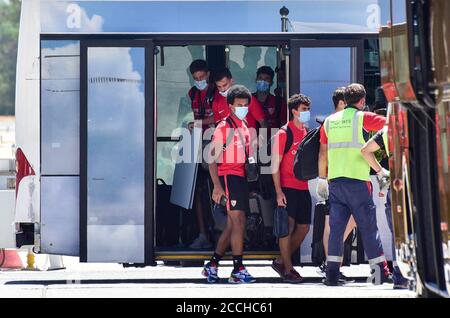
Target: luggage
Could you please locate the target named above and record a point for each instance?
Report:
(280, 222)
(167, 217)
(318, 252)
(259, 227)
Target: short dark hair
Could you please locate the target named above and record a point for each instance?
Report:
(198, 65)
(354, 93)
(221, 73)
(238, 91)
(296, 100)
(338, 95)
(265, 70)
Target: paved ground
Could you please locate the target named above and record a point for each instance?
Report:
(112, 280)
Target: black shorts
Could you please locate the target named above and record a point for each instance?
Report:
(299, 205)
(236, 190)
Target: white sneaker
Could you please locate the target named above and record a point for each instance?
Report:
(201, 242)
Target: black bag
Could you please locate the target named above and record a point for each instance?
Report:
(251, 166)
(167, 217)
(280, 222)
(266, 186)
(306, 162)
(318, 251)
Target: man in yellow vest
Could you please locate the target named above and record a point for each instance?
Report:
(344, 178)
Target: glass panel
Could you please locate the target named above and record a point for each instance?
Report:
(60, 200)
(307, 16)
(115, 167)
(60, 107)
(173, 103)
(245, 60)
(319, 80)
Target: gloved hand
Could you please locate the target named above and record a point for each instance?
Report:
(383, 180)
(383, 173)
(322, 188)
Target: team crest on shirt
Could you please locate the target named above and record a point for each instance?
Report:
(233, 202)
(271, 111)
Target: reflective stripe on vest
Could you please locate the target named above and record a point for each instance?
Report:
(345, 140)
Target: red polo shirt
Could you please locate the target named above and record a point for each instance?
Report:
(232, 159)
(287, 177)
(274, 114)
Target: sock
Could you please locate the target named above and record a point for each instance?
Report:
(215, 259)
(237, 262)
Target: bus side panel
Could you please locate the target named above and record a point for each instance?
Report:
(27, 113)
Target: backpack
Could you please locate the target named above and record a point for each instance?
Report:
(317, 250)
(306, 160)
(208, 100)
(266, 186)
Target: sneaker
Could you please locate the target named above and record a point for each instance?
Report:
(344, 279)
(279, 268)
(385, 277)
(210, 271)
(322, 270)
(401, 283)
(200, 242)
(327, 282)
(293, 277)
(241, 277)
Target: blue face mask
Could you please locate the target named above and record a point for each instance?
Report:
(201, 85)
(241, 112)
(262, 86)
(304, 117)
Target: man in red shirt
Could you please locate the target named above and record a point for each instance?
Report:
(230, 147)
(293, 194)
(274, 107)
(224, 80)
(201, 95)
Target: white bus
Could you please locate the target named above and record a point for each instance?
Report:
(101, 86)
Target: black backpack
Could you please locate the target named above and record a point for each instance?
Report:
(266, 186)
(306, 160)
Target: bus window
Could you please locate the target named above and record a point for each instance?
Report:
(243, 62)
(60, 107)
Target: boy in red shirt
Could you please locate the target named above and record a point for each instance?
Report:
(224, 80)
(274, 107)
(292, 194)
(230, 183)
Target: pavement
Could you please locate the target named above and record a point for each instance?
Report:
(95, 280)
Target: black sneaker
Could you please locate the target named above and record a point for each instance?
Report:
(327, 282)
(322, 270)
(345, 280)
(385, 277)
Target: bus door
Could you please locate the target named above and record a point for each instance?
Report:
(116, 151)
(317, 68)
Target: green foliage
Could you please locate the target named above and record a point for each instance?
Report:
(9, 31)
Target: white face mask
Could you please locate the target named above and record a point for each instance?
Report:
(224, 93)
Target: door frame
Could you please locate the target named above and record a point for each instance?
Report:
(149, 133)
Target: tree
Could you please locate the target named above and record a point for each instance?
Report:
(9, 31)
